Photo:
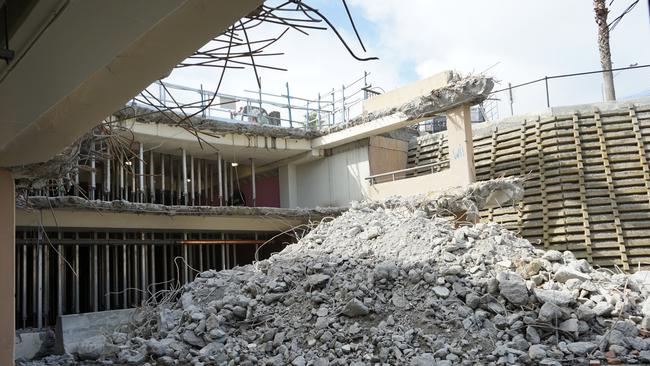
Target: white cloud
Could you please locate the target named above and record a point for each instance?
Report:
(416, 38)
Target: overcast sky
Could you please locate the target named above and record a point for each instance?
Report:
(513, 40)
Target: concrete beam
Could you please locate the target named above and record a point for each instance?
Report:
(233, 146)
(90, 59)
(401, 95)
(91, 219)
(458, 92)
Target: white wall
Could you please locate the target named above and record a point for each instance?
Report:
(334, 180)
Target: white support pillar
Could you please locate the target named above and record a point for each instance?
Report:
(7, 264)
(192, 182)
(184, 177)
(108, 179)
(162, 179)
(231, 179)
(253, 187)
(122, 192)
(152, 181)
(461, 146)
(226, 195)
(141, 174)
(220, 178)
(198, 182)
(288, 186)
(93, 182)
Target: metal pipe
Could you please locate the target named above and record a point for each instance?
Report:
(135, 280)
(107, 278)
(125, 285)
(152, 182)
(220, 178)
(165, 263)
(92, 170)
(289, 106)
(185, 263)
(76, 277)
(115, 287)
(46, 284)
(95, 274)
(185, 201)
(223, 253)
(152, 277)
(254, 188)
(39, 280)
(60, 290)
(24, 285)
(234, 256)
(141, 173)
(144, 264)
(192, 192)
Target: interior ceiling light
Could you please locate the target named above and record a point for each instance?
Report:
(128, 163)
(234, 164)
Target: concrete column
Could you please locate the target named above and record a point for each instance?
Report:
(107, 188)
(461, 146)
(141, 174)
(220, 178)
(192, 182)
(152, 181)
(92, 170)
(288, 186)
(7, 258)
(253, 188)
(162, 179)
(184, 177)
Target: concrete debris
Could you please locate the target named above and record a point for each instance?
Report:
(212, 126)
(420, 292)
(74, 202)
(59, 169)
(461, 90)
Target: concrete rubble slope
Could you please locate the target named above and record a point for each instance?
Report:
(393, 284)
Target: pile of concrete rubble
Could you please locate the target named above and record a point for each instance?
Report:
(394, 285)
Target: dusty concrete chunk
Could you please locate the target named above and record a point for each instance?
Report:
(441, 291)
(355, 308)
(560, 298)
(581, 348)
(565, 273)
(513, 287)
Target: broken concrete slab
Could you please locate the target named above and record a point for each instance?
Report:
(72, 330)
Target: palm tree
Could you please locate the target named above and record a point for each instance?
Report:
(603, 46)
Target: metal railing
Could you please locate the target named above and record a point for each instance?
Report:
(402, 173)
(561, 94)
(327, 110)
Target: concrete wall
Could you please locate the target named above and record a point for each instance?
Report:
(386, 155)
(267, 191)
(406, 93)
(335, 180)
